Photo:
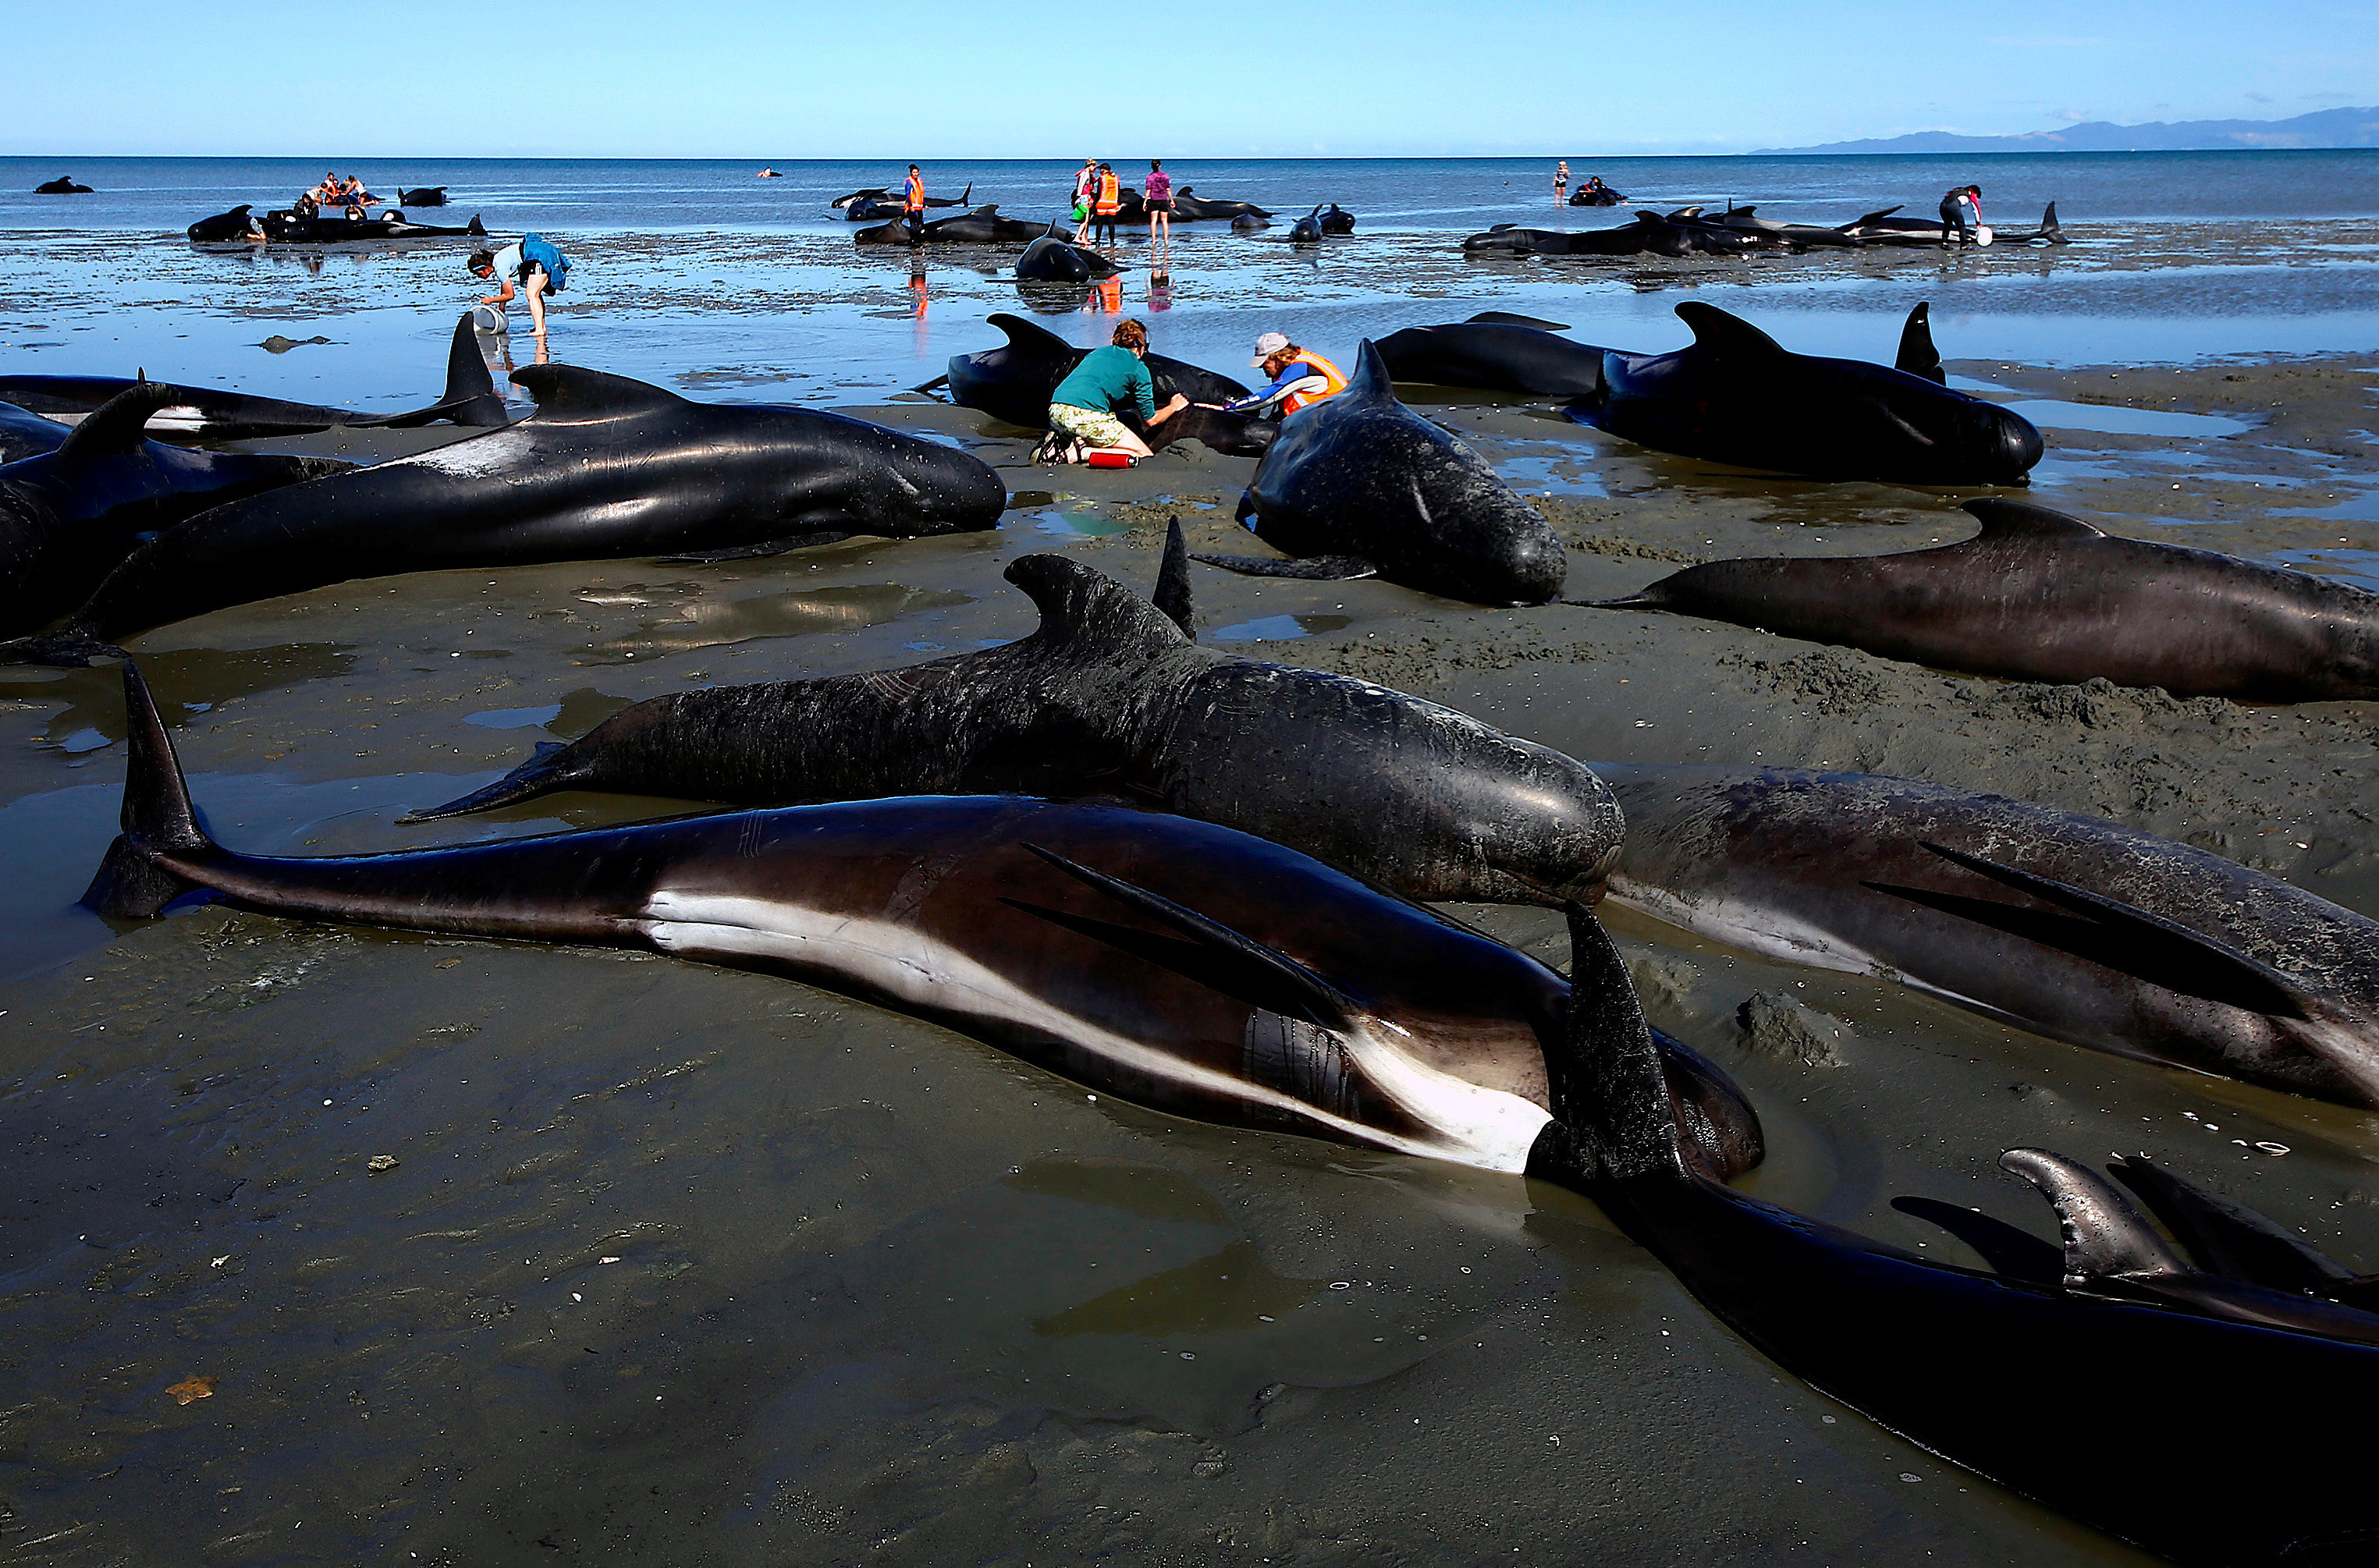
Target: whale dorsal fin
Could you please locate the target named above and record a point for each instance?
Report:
(989, 210)
(1722, 333)
(1505, 319)
(1918, 355)
(2104, 1237)
(2019, 520)
(1078, 604)
(1371, 379)
(1022, 333)
(569, 393)
(466, 367)
(1172, 595)
(2227, 1238)
(1498, 228)
(118, 426)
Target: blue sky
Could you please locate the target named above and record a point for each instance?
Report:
(939, 79)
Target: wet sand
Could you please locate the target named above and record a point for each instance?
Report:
(708, 1266)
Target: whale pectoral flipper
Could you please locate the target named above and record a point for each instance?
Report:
(2230, 1239)
(1308, 995)
(2147, 945)
(1505, 319)
(754, 552)
(1315, 568)
(531, 778)
(1172, 595)
(2016, 1254)
(63, 646)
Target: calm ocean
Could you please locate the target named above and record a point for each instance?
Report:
(698, 274)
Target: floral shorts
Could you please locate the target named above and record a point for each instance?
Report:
(1099, 430)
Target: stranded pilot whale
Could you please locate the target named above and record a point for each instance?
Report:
(69, 515)
(1109, 697)
(606, 466)
(2072, 927)
(1497, 352)
(2038, 596)
(1182, 965)
(2190, 1408)
(470, 399)
(1014, 382)
(1207, 973)
(1735, 396)
(1362, 485)
(26, 434)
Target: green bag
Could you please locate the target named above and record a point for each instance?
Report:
(1080, 213)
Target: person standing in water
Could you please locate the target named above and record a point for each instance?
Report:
(1157, 196)
(534, 262)
(912, 205)
(1107, 204)
(1086, 190)
(1560, 182)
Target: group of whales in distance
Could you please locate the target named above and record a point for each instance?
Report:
(1185, 878)
(1735, 396)
(1205, 973)
(1738, 231)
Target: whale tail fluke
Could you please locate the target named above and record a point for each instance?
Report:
(1172, 595)
(157, 817)
(538, 776)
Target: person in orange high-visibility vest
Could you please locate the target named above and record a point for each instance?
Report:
(1108, 201)
(912, 205)
(1300, 379)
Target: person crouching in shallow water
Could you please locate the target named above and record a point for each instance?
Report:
(1085, 402)
(1301, 377)
(534, 262)
(1961, 214)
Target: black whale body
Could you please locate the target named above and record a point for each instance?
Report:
(2038, 596)
(1734, 395)
(283, 228)
(422, 196)
(1337, 221)
(1498, 353)
(1360, 483)
(984, 225)
(63, 186)
(605, 467)
(1053, 260)
(1109, 697)
(1014, 382)
(1274, 992)
(2066, 925)
(1192, 208)
(68, 516)
(1276, 995)
(470, 399)
(233, 225)
(24, 433)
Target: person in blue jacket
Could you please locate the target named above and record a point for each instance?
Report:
(534, 262)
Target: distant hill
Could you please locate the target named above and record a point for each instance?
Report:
(2325, 127)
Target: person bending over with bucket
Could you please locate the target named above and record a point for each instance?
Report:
(535, 263)
(1085, 404)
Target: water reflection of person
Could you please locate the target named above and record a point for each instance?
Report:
(1160, 292)
(1106, 297)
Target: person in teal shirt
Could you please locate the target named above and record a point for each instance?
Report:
(1087, 401)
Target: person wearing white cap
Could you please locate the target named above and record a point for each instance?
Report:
(1300, 377)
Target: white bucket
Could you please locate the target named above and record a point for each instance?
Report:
(488, 318)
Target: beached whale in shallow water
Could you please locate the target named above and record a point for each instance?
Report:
(1887, 227)
(605, 467)
(1177, 964)
(1307, 229)
(879, 193)
(1014, 381)
(63, 186)
(68, 516)
(1209, 974)
(422, 196)
(1050, 259)
(982, 226)
(470, 399)
(223, 226)
(284, 228)
(2189, 1407)
(1734, 395)
(1358, 484)
(1496, 351)
(1191, 209)
(1337, 221)
(1109, 697)
(2062, 925)
(2038, 596)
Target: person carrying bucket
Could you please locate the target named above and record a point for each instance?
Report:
(535, 263)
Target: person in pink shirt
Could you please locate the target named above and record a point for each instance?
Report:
(1156, 195)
